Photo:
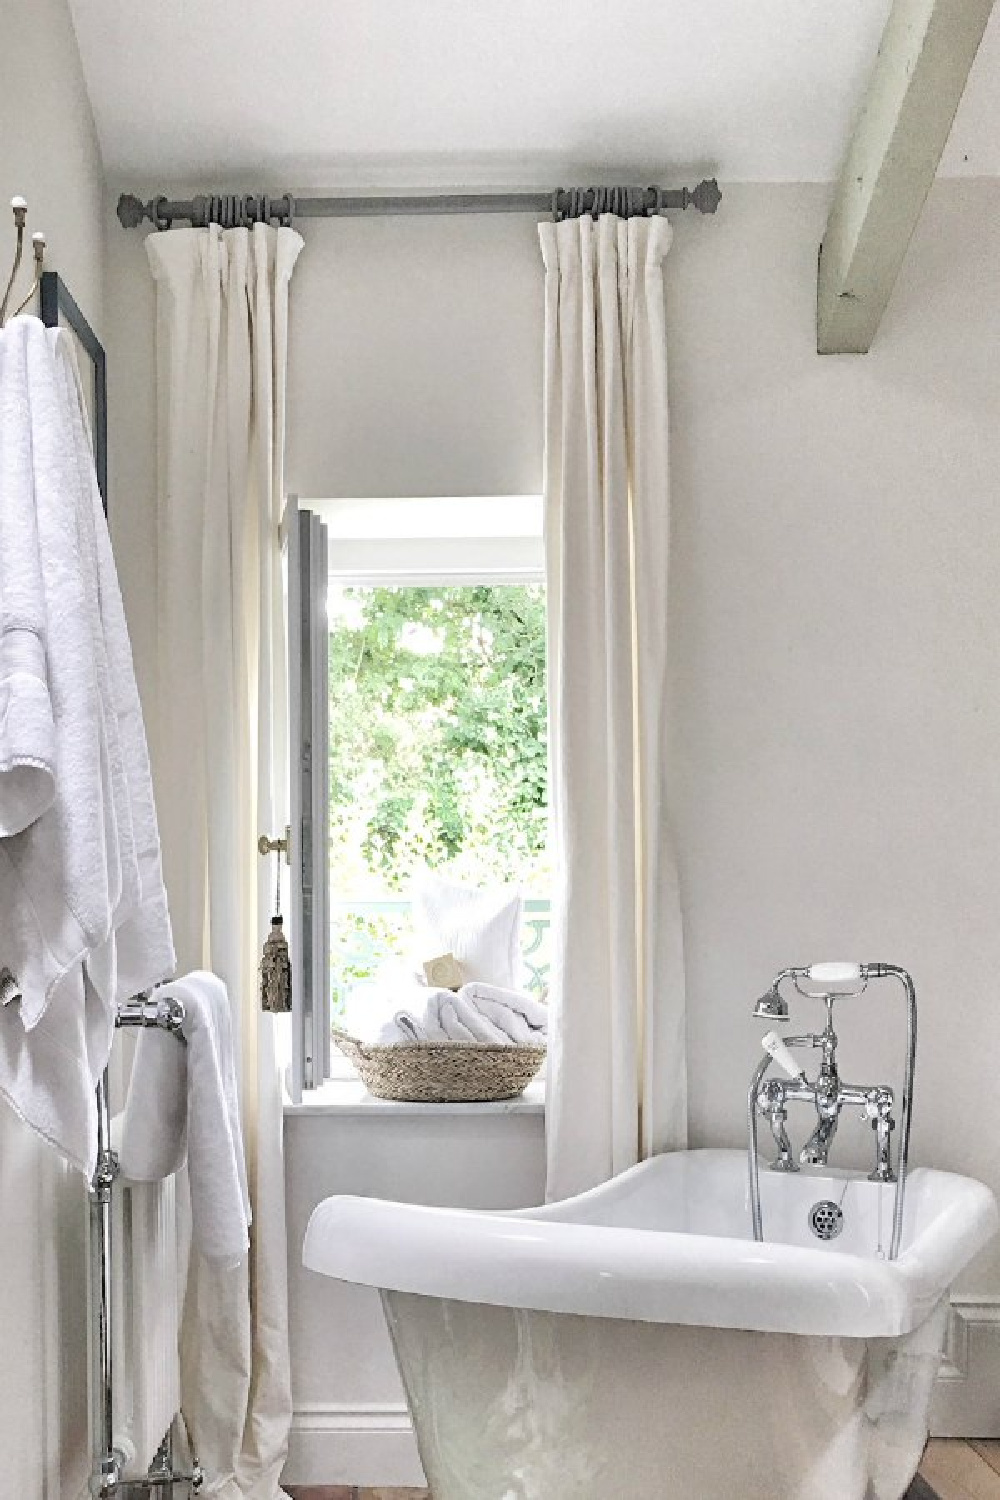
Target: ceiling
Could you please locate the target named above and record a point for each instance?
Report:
(305, 95)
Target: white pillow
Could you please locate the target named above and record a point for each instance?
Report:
(482, 928)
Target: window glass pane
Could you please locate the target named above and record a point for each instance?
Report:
(438, 758)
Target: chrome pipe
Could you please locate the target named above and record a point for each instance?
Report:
(893, 971)
(106, 1478)
(754, 1164)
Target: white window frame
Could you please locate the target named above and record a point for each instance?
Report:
(306, 550)
(404, 542)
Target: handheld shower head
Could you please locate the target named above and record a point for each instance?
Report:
(830, 981)
(772, 1006)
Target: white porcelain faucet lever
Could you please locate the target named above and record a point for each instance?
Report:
(772, 1044)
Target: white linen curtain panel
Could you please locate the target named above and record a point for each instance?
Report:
(219, 757)
(617, 1071)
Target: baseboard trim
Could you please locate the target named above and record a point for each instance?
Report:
(967, 1395)
(333, 1416)
(370, 1443)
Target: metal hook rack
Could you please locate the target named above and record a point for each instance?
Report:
(19, 208)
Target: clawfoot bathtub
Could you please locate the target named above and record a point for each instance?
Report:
(636, 1341)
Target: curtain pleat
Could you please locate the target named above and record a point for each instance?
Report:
(617, 1070)
(219, 759)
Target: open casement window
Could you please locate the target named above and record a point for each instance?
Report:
(366, 545)
(306, 549)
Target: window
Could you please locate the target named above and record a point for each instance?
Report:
(434, 723)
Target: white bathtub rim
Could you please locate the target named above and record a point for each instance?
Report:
(537, 1260)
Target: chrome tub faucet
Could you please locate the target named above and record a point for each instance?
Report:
(826, 1093)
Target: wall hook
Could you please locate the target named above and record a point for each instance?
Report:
(19, 208)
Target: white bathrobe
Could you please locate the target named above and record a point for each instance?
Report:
(83, 917)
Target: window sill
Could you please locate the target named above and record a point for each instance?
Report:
(348, 1096)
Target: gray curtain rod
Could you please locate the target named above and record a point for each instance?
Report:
(231, 209)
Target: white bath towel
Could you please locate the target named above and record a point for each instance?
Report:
(71, 879)
(447, 1015)
(404, 1028)
(152, 1136)
(27, 728)
(421, 1022)
(49, 1074)
(517, 1014)
(183, 1105)
(143, 944)
(478, 1012)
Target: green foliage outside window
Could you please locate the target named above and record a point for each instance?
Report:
(438, 752)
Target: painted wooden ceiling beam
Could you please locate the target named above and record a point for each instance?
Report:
(927, 49)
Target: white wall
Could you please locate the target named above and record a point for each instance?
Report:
(350, 1422)
(834, 616)
(835, 623)
(48, 154)
(416, 360)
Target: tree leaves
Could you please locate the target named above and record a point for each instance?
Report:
(438, 731)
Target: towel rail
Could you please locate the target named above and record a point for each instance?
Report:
(164, 1013)
(147, 1009)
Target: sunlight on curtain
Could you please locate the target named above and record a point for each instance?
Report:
(219, 757)
(617, 1072)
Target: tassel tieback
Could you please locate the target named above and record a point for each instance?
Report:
(276, 970)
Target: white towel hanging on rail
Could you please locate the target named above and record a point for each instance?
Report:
(182, 1106)
(83, 918)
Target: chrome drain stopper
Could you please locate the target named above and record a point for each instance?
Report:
(826, 1220)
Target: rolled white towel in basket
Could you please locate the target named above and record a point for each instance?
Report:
(524, 1019)
(478, 1012)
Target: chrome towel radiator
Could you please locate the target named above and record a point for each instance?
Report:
(166, 1014)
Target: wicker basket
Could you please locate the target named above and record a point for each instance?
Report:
(442, 1072)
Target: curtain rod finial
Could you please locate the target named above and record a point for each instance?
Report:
(131, 211)
(707, 196)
